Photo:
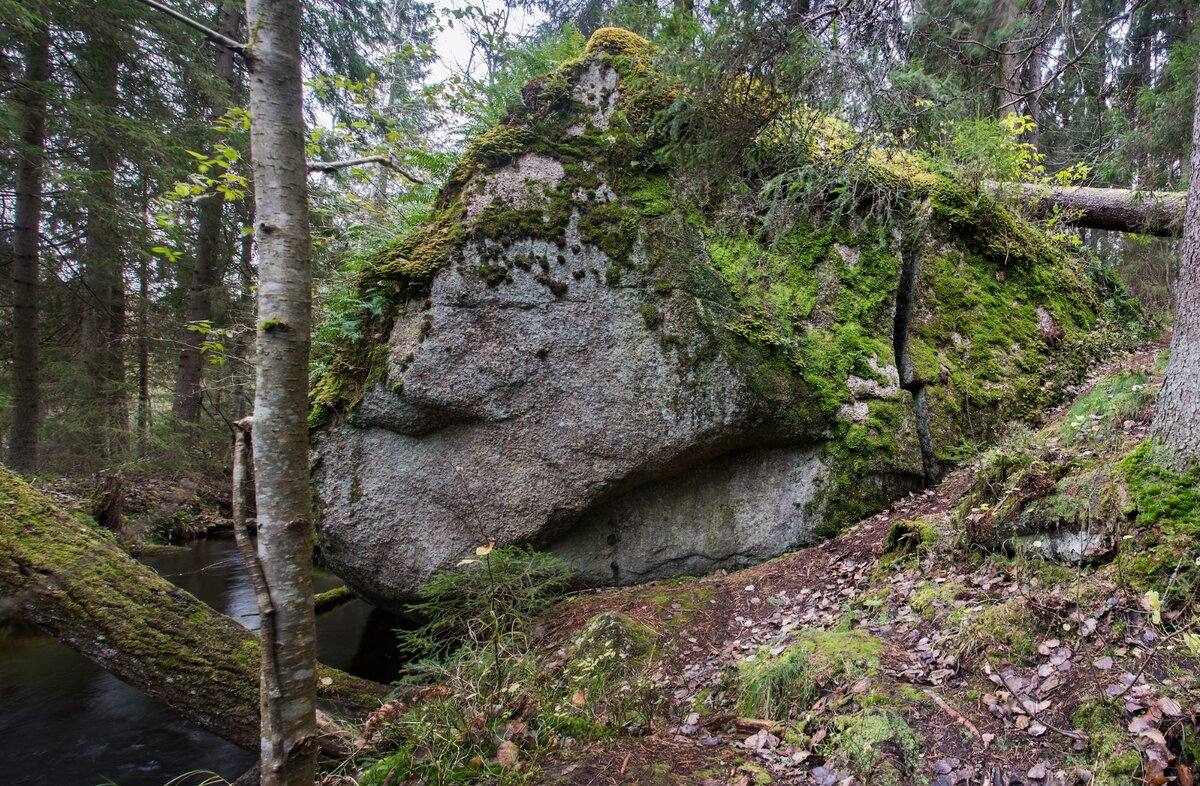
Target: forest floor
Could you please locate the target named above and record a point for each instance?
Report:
(901, 652)
(147, 510)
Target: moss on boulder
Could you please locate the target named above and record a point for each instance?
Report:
(610, 647)
(575, 333)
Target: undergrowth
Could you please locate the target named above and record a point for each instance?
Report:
(483, 704)
(484, 599)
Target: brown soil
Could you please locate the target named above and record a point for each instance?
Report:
(994, 708)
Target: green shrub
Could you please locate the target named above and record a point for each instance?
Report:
(485, 598)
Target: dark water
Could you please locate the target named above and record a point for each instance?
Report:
(65, 722)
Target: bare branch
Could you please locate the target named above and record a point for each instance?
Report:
(384, 161)
(206, 31)
(1069, 63)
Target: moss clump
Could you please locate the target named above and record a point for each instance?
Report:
(617, 41)
(774, 686)
(652, 316)
(414, 258)
(1162, 495)
(930, 596)
(611, 645)
(1004, 627)
(652, 197)
(877, 743)
(1166, 503)
(559, 288)
(342, 382)
(331, 599)
(1114, 759)
(497, 146)
(906, 537)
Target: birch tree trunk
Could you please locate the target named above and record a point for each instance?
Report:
(206, 271)
(31, 99)
(280, 436)
(1177, 414)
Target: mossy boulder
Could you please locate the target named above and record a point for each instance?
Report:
(610, 647)
(579, 358)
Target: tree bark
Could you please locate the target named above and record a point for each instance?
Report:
(245, 316)
(1116, 209)
(104, 323)
(142, 424)
(1177, 413)
(280, 436)
(143, 354)
(31, 103)
(78, 586)
(189, 389)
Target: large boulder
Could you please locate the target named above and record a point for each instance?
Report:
(572, 356)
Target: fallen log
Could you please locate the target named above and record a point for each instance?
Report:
(329, 600)
(75, 583)
(1158, 213)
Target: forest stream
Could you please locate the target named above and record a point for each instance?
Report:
(66, 722)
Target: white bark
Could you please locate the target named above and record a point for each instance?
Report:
(280, 435)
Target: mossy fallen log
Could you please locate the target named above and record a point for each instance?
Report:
(329, 600)
(75, 583)
(1158, 213)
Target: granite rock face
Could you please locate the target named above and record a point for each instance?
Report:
(575, 358)
(563, 420)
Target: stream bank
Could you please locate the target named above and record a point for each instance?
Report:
(66, 722)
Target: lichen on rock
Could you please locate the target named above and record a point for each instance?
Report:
(579, 358)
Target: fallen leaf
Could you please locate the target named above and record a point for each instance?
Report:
(1169, 707)
(762, 740)
(507, 754)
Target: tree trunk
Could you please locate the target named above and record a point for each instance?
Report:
(280, 438)
(143, 353)
(104, 323)
(1031, 78)
(1177, 413)
(1005, 12)
(78, 586)
(245, 316)
(206, 271)
(1115, 209)
(142, 425)
(31, 102)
